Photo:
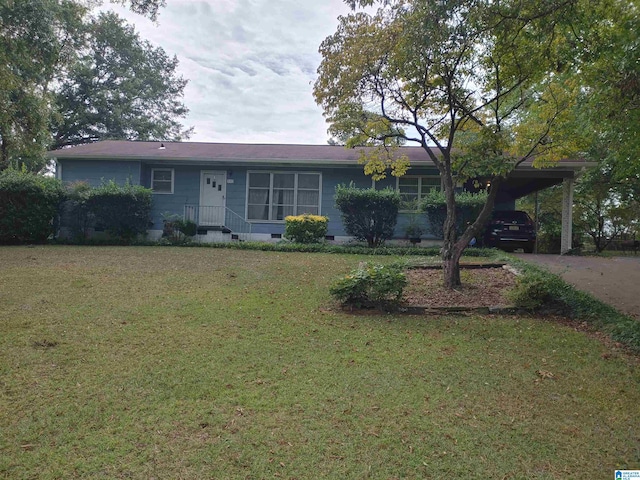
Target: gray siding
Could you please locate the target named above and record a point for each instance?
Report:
(95, 172)
(330, 180)
(406, 218)
(187, 188)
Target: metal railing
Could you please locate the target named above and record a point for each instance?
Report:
(212, 216)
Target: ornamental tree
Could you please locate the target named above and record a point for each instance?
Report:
(462, 76)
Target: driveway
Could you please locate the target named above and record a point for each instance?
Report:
(615, 280)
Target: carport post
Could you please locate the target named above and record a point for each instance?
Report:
(567, 215)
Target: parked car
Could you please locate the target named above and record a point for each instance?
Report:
(509, 230)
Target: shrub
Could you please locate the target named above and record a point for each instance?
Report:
(468, 207)
(305, 228)
(29, 206)
(123, 211)
(370, 285)
(76, 214)
(177, 230)
(413, 229)
(350, 249)
(545, 292)
(367, 214)
(536, 290)
(188, 227)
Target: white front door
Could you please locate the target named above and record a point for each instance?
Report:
(213, 191)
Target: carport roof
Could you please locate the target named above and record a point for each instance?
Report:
(201, 152)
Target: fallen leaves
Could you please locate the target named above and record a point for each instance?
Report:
(483, 287)
(544, 374)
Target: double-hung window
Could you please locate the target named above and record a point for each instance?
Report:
(272, 196)
(413, 188)
(162, 180)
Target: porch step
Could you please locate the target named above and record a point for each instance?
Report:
(202, 230)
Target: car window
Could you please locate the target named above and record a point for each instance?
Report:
(511, 216)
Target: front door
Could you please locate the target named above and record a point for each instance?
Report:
(213, 191)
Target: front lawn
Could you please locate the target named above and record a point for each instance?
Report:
(151, 362)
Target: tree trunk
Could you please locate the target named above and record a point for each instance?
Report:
(450, 256)
(454, 247)
(451, 266)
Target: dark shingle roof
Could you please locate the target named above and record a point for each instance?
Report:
(200, 152)
(221, 151)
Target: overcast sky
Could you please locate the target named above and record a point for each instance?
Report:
(251, 65)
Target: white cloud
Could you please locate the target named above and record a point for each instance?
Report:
(251, 65)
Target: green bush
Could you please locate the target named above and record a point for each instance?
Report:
(468, 207)
(29, 206)
(123, 211)
(370, 285)
(369, 215)
(305, 228)
(177, 230)
(188, 227)
(543, 292)
(76, 215)
(352, 249)
(535, 290)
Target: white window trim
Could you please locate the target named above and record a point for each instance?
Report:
(295, 189)
(419, 177)
(173, 176)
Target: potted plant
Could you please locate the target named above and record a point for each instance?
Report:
(413, 231)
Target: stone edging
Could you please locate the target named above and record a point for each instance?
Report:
(495, 310)
(468, 266)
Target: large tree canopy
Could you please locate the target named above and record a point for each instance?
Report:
(484, 82)
(610, 80)
(122, 87)
(35, 39)
(148, 8)
(48, 51)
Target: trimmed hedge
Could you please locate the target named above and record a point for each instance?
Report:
(368, 215)
(333, 248)
(468, 207)
(29, 206)
(305, 228)
(123, 211)
(76, 215)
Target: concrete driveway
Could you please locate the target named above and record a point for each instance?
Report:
(614, 280)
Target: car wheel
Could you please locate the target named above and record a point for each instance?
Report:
(528, 249)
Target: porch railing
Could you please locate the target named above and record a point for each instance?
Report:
(211, 216)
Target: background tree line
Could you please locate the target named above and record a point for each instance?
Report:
(69, 75)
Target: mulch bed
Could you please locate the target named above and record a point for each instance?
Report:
(481, 287)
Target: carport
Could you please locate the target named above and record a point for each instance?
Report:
(527, 179)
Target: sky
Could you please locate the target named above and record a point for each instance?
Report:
(251, 65)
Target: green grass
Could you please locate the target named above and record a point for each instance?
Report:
(538, 289)
(149, 362)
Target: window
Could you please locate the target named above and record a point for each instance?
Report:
(273, 196)
(413, 188)
(162, 180)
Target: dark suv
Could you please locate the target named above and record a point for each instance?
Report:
(510, 229)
